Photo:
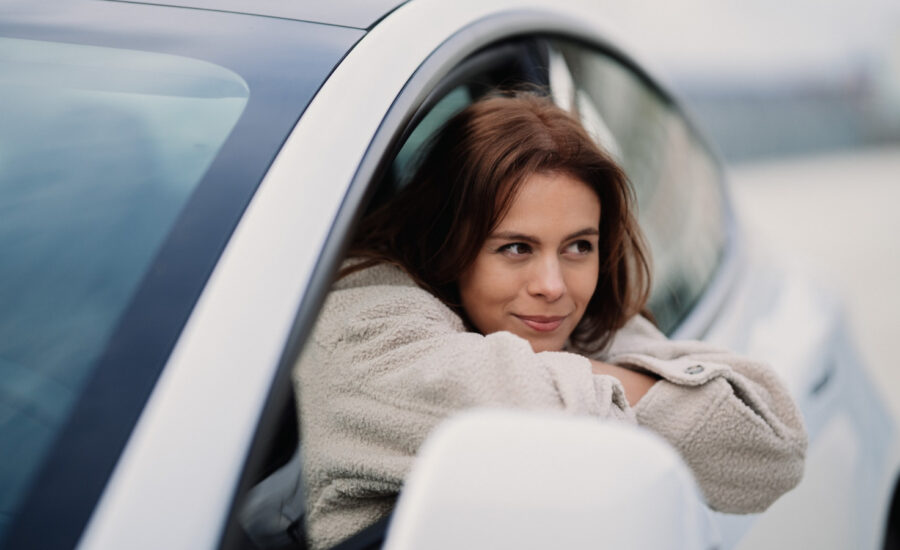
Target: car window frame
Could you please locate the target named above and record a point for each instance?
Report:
(371, 173)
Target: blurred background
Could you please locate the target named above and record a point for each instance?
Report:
(802, 98)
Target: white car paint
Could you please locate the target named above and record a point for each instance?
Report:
(490, 479)
(776, 311)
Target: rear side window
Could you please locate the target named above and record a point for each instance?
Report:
(676, 179)
(100, 149)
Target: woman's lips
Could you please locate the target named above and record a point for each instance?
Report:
(542, 323)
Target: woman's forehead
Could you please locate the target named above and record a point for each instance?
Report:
(551, 203)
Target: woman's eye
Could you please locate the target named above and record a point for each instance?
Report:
(580, 247)
(515, 249)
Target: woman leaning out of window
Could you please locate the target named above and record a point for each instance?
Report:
(511, 272)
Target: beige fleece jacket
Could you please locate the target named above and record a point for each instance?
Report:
(387, 361)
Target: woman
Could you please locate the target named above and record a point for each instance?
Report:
(511, 272)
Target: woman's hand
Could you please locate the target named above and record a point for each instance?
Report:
(636, 383)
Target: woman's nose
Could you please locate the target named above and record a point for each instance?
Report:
(547, 280)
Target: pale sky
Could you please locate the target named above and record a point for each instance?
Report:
(764, 39)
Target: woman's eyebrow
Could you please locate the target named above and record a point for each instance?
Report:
(513, 236)
(587, 231)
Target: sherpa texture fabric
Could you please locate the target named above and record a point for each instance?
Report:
(387, 361)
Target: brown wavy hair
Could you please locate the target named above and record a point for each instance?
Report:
(466, 180)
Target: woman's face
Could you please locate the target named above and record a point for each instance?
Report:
(538, 269)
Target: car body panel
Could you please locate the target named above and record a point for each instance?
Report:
(775, 296)
(359, 14)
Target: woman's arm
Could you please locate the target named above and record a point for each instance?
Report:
(387, 362)
(731, 418)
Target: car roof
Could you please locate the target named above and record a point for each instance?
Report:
(360, 14)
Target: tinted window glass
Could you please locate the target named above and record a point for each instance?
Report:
(99, 150)
(458, 99)
(676, 181)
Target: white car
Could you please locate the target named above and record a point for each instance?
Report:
(178, 181)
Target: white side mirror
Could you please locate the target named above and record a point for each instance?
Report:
(503, 479)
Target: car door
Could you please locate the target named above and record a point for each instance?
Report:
(669, 164)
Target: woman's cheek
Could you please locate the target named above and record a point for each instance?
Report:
(586, 284)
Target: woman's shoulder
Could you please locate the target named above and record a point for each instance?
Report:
(637, 334)
(383, 295)
(640, 335)
(372, 274)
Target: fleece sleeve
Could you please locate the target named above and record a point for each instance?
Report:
(405, 351)
(730, 417)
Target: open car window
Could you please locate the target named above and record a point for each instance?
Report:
(675, 179)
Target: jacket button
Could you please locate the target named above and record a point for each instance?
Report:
(694, 369)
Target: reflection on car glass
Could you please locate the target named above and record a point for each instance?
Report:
(99, 150)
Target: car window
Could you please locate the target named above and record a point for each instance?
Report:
(100, 148)
(676, 180)
(647, 135)
(456, 100)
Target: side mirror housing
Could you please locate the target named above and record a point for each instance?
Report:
(509, 479)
